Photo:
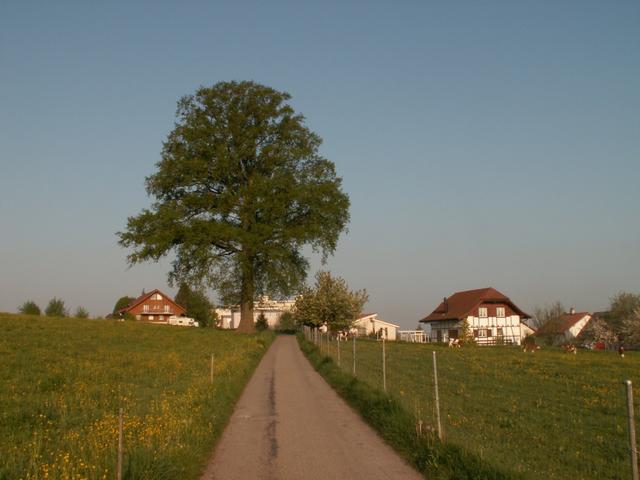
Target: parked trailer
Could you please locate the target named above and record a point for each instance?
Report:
(183, 321)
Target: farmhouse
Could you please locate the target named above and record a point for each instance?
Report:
(154, 306)
(369, 323)
(229, 317)
(567, 327)
(491, 316)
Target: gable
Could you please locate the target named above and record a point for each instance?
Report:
(464, 304)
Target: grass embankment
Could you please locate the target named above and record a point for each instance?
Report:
(546, 415)
(64, 380)
(398, 426)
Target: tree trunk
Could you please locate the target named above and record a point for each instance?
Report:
(247, 324)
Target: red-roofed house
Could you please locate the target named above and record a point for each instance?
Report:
(567, 327)
(154, 306)
(492, 317)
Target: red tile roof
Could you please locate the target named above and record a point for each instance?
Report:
(145, 296)
(562, 324)
(461, 304)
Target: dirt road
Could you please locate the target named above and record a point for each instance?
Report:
(289, 424)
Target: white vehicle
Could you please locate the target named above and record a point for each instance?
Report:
(184, 321)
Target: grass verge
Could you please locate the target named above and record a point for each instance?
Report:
(64, 380)
(398, 427)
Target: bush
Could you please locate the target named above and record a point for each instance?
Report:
(29, 308)
(56, 308)
(261, 323)
(287, 323)
(81, 312)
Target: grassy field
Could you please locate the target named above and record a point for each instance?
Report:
(547, 414)
(64, 380)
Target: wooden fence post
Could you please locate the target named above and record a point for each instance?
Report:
(633, 446)
(212, 369)
(120, 445)
(384, 366)
(338, 345)
(354, 355)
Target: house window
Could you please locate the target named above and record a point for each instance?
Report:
(167, 309)
(145, 308)
(480, 333)
(482, 312)
(499, 332)
(500, 312)
(489, 332)
(156, 296)
(453, 333)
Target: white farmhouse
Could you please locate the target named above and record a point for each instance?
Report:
(369, 323)
(272, 310)
(492, 318)
(567, 327)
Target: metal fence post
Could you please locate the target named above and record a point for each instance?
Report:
(633, 448)
(120, 446)
(384, 366)
(435, 380)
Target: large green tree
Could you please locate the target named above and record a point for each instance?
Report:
(239, 190)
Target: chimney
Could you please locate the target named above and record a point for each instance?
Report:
(572, 311)
(446, 305)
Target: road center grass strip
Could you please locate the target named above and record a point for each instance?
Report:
(64, 380)
(398, 427)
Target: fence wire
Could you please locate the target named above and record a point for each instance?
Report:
(548, 415)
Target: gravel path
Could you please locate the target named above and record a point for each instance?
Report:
(289, 424)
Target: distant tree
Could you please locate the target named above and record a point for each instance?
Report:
(240, 190)
(122, 303)
(419, 327)
(631, 328)
(56, 308)
(261, 322)
(622, 314)
(599, 330)
(466, 334)
(329, 302)
(286, 323)
(81, 312)
(546, 320)
(29, 308)
(197, 304)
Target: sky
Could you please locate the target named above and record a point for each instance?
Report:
(482, 144)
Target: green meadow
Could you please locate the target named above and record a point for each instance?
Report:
(64, 380)
(542, 415)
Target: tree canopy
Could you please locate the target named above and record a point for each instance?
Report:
(29, 308)
(239, 190)
(329, 302)
(197, 304)
(56, 308)
(121, 303)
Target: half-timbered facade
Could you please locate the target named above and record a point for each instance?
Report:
(491, 317)
(154, 306)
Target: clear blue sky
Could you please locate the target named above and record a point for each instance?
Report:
(481, 143)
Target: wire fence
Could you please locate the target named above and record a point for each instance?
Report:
(549, 414)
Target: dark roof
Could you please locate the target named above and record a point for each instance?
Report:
(461, 304)
(145, 296)
(562, 324)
